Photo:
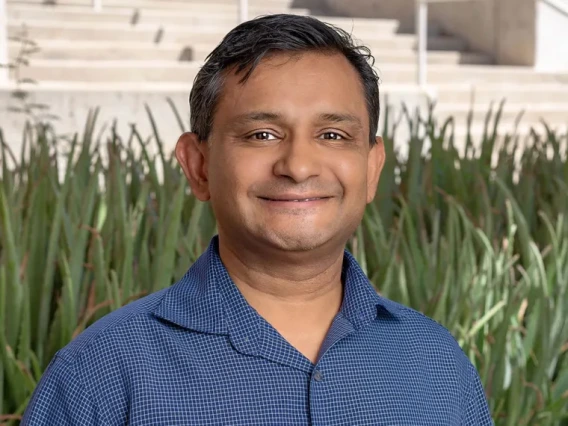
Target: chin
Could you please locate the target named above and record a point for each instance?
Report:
(295, 241)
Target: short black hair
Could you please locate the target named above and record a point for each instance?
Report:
(246, 45)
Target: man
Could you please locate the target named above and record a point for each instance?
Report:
(275, 324)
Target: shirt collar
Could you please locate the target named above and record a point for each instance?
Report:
(361, 302)
(207, 300)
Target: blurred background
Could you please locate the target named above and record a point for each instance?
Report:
(122, 54)
(470, 222)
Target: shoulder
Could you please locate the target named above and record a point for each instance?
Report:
(431, 355)
(420, 328)
(421, 336)
(425, 328)
(85, 380)
(115, 329)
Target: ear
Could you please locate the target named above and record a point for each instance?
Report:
(193, 157)
(376, 161)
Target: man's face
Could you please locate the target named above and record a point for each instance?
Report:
(288, 163)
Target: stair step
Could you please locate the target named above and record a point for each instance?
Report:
(97, 51)
(88, 4)
(512, 93)
(116, 31)
(150, 33)
(169, 71)
(529, 113)
(195, 5)
(136, 71)
(470, 74)
(523, 133)
(221, 22)
(224, 21)
(179, 17)
(103, 51)
(434, 58)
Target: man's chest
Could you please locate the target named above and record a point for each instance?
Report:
(257, 392)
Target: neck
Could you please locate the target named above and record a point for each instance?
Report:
(290, 290)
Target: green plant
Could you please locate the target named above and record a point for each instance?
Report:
(82, 236)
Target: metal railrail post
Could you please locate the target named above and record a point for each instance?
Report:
(422, 33)
(4, 71)
(243, 11)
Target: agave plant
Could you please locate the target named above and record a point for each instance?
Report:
(91, 223)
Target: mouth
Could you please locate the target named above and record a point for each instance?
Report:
(295, 200)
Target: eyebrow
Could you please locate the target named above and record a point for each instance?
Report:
(329, 117)
(340, 118)
(258, 116)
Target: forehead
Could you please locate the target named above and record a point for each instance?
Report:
(298, 85)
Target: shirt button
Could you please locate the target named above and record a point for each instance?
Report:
(318, 376)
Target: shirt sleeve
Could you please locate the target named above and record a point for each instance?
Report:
(60, 399)
(477, 410)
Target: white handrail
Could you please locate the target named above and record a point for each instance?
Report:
(422, 33)
(243, 11)
(559, 5)
(97, 5)
(4, 71)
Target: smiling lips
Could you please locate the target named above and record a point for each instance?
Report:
(298, 199)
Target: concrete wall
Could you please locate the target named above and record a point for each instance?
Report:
(516, 31)
(504, 29)
(552, 26)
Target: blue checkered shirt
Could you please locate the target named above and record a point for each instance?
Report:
(198, 354)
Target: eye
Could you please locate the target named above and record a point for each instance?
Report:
(262, 136)
(333, 136)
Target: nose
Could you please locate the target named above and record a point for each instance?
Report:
(299, 159)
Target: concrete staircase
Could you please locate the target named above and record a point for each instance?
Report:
(138, 51)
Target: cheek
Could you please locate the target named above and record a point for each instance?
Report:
(221, 176)
(234, 172)
(352, 173)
